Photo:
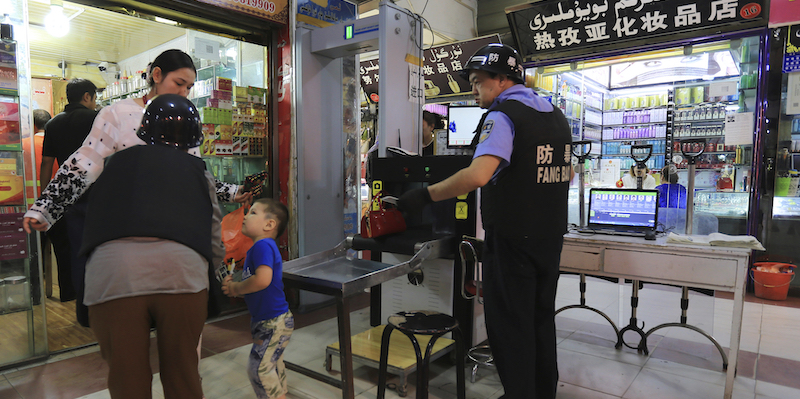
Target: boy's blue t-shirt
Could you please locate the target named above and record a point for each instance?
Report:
(271, 301)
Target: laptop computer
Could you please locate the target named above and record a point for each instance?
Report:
(620, 211)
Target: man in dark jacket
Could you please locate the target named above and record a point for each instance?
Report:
(522, 165)
(62, 136)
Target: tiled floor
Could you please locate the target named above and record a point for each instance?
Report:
(681, 363)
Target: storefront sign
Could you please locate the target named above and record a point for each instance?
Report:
(783, 12)
(324, 13)
(270, 10)
(440, 68)
(791, 54)
(370, 74)
(551, 27)
(443, 64)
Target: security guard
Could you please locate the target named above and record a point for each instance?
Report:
(522, 165)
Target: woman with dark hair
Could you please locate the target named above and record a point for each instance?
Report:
(430, 122)
(115, 129)
(670, 193)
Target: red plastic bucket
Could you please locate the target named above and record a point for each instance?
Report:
(773, 286)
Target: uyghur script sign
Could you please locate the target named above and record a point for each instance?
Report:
(558, 26)
(440, 68)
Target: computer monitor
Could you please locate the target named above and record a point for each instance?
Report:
(462, 123)
(625, 209)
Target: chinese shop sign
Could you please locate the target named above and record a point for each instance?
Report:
(550, 27)
(270, 10)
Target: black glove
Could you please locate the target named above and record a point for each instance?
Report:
(413, 201)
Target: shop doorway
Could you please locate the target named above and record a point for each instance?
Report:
(112, 50)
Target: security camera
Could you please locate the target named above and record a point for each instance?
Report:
(102, 66)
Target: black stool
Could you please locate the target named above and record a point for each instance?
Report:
(471, 250)
(424, 323)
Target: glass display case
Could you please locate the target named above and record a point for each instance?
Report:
(662, 99)
(22, 329)
(231, 94)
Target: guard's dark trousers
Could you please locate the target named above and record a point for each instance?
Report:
(521, 277)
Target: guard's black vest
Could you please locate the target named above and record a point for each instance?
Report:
(529, 198)
(150, 191)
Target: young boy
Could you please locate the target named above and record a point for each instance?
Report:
(271, 321)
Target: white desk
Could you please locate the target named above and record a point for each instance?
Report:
(717, 268)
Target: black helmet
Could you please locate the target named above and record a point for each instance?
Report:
(496, 58)
(171, 120)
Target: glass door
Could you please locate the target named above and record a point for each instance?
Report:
(22, 328)
(781, 231)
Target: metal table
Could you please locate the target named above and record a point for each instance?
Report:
(333, 273)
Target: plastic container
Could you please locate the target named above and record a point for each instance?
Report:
(772, 286)
(17, 293)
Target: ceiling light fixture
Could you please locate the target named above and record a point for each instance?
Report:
(56, 23)
(166, 21)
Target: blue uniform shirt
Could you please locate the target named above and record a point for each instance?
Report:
(671, 196)
(497, 132)
(270, 302)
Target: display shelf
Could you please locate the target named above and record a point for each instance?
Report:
(698, 137)
(124, 95)
(587, 106)
(637, 124)
(707, 167)
(634, 109)
(582, 103)
(636, 139)
(629, 155)
(689, 122)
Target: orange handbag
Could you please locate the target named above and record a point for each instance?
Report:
(383, 221)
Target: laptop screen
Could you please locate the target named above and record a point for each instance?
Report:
(622, 209)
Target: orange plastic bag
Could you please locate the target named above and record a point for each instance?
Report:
(236, 243)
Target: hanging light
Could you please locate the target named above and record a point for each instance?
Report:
(56, 23)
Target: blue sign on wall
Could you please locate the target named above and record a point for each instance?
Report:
(791, 55)
(313, 12)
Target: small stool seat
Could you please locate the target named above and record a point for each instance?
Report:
(423, 322)
(430, 323)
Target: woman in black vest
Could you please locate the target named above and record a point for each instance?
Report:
(148, 258)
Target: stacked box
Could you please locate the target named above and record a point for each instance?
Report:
(221, 95)
(255, 94)
(236, 127)
(245, 146)
(223, 84)
(208, 115)
(240, 94)
(236, 146)
(209, 147)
